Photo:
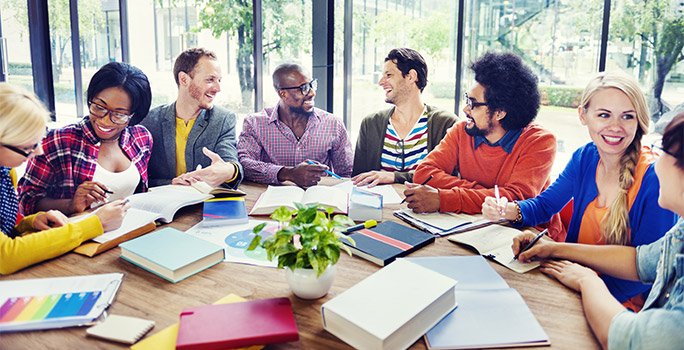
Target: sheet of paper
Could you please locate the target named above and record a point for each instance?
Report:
(134, 219)
(389, 194)
(504, 256)
(442, 221)
(235, 239)
(487, 238)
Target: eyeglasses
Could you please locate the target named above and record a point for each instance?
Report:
(26, 152)
(400, 144)
(115, 117)
(304, 88)
(658, 150)
(471, 103)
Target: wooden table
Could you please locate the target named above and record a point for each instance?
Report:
(145, 295)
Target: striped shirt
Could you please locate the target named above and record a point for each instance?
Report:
(405, 154)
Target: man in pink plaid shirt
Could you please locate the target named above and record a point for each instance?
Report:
(294, 141)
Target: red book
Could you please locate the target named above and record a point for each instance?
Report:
(236, 325)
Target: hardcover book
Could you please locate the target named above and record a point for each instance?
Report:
(387, 241)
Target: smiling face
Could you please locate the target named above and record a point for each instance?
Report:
(114, 99)
(396, 86)
(479, 121)
(611, 120)
(204, 82)
(295, 101)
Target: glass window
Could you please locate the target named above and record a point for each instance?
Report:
(100, 37)
(15, 43)
(62, 60)
(287, 38)
(160, 30)
(427, 26)
(643, 43)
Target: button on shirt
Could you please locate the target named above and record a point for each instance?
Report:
(267, 145)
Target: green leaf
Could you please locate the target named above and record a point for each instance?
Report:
(259, 228)
(282, 214)
(255, 242)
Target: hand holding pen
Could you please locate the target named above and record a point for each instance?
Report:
(309, 161)
(522, 244)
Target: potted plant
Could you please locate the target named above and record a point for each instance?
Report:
(308, 244)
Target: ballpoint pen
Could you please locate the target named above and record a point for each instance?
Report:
(326, 171)
(422, 184)
(532, 242)
(498, 198)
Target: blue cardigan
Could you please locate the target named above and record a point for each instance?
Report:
(648, 221)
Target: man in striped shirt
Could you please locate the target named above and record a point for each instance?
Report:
(294, 141)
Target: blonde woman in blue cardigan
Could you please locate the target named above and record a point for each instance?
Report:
(44, 235)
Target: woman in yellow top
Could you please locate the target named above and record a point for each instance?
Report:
(44, 235)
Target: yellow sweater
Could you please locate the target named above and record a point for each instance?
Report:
(33, 247)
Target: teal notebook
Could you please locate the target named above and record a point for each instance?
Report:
(490, 314)
(171, 254)
(224, 211)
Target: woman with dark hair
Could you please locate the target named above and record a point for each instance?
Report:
(99, 159)
(659, 323)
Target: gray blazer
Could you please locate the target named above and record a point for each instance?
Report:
(213, 129)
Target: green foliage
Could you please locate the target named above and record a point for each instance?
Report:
(442, 89)
(309, 240)
(429, 37)
(562, 96)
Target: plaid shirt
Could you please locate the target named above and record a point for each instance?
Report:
(267, 145)
(70, 159)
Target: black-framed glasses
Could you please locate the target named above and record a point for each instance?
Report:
(400, 145)
(26, 152)
(471, 103)
(657, 148)
(101, 112)
(304, 88)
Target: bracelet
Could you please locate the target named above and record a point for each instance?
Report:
(518, 217)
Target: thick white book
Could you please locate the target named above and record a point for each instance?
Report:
(391, 308)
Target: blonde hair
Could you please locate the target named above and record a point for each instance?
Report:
(22, 115)
(615, 226)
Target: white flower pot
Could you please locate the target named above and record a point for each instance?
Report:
(305, 284)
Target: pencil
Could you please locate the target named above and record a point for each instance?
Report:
(422, 184)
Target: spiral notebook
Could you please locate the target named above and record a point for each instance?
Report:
(123, 329)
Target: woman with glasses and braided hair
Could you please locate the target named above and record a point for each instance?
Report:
(611, 181)
(44, 235)
(103, 157)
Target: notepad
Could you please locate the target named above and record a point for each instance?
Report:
(442, 224)
(123, 329)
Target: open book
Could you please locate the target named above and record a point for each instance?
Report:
(494, 242)
(160, 203)
(442, 223)
(277, 196)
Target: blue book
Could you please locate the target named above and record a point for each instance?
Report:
(490, 314)
(171, 254)
(389, 240)
(224, 211)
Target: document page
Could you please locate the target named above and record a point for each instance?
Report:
(135, 218)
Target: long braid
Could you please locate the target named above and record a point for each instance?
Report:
(615, 225)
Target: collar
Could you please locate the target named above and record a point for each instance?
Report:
(507, 142)
(273, 115)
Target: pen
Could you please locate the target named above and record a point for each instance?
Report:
(326, 171)
(108, 191)
(532, 242)
(366, 224)
(422, 184)
(498, 198)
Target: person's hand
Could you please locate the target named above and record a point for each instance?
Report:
(572, 275)
(48, 220)
(422, 198)
(373, 178)
(215, 174)
(304, 174)
(543, 249)
(111, 215)
(86, 194)
(494, 210)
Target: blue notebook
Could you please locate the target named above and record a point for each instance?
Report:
(171, 254)
(224, 211)
(490, 314)
(387, 241)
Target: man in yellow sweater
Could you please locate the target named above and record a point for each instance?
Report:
(194, 140)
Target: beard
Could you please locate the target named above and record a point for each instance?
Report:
(196, 93)
(301, 111)
(477, 131)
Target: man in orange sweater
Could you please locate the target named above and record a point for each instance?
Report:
(495, 145)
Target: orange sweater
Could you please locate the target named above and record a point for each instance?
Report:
(465, 176)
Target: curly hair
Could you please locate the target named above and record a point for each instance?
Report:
(129, 78)
(510, 86)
